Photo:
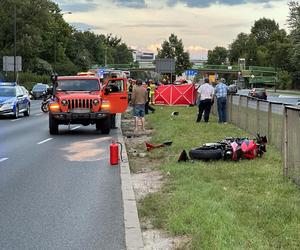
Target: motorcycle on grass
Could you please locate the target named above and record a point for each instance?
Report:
(231, 149)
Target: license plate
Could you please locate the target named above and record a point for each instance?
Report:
(78, 111)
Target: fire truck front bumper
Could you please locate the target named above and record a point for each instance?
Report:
(80, 116)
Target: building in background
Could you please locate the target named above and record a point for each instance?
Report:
(144, 59)
(198, 62)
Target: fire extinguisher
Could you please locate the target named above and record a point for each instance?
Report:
(114, 152)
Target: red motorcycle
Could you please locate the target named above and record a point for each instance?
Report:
(231, 149)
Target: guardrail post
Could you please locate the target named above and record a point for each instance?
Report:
(285, 145)
(257, 116)
(269, 122)
(247, 113)
(231, 104)
(239, 113)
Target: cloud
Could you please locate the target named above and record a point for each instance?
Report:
(84, 26)
(196, 48)
(136, 4)
(207, 3)
(78, 7)
(154, 25)
(230, 25)
(153, 47)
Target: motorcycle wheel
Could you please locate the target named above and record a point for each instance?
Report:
(44, 107)
(206, 154)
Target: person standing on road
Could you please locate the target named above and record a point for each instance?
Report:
(221, 94)
(205, 95)
(138, 100)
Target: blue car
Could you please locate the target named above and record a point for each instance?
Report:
(14, 99)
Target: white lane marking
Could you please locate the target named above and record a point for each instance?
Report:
(44, 141)
(15, 120)
(75, 128)
(38, 114)
(3, 159)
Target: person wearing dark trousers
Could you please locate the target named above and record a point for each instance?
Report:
(147, 104)
(206, 96)
(221, 94)
(204, 106)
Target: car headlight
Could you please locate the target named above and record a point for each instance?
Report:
(64, 102)
(7, 105)
(96, 102)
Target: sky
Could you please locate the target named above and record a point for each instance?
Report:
(145, 24)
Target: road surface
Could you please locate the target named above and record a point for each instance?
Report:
(57, 192)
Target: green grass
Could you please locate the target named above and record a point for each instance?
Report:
(220, 205)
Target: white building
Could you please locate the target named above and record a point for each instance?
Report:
(144, 59)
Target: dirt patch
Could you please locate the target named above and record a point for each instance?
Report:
(147, 182)
(146, 179)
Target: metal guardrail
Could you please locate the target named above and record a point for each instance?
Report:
(263, 79)
(262, 69)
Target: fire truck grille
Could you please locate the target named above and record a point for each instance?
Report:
(80, 103)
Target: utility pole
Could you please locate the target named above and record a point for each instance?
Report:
(15, 42)
(105, 57)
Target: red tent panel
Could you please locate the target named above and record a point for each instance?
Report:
(175, 94)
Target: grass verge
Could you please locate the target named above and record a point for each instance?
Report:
(220, 205)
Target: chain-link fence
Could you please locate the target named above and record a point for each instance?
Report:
(280, 123)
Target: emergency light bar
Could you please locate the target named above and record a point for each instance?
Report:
(8, 84)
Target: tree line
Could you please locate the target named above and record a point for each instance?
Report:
(267, 45)
(47, 43)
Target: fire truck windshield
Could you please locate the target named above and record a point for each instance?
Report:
(78, 85)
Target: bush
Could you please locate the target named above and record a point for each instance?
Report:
(66, 68)
(27, 79)
(42, 67)
(284, 80)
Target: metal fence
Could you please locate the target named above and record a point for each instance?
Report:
(291, 151)
(280, 123)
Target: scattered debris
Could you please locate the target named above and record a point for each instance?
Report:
(152, 146)
(183, 156)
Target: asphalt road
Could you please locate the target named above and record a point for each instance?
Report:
(57, 192)
(276, 97)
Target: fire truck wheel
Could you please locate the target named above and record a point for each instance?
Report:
(53, 126)
(113, 121)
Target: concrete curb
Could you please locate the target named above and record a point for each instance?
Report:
(133, 233)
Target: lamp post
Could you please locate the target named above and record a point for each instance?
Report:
(105, 57)
(15, 42)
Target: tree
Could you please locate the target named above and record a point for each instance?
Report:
(262, 30)
(284, 79)
(293, 21)
(217, 56)
(238, 48)
(173, 48)
(45, 38)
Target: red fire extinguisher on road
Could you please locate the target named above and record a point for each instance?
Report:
(114, 152)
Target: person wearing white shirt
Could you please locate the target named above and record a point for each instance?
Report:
(205, 95)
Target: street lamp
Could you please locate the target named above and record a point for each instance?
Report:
(105, 57)
(15, 42)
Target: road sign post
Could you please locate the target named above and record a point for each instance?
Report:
(165, 66)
